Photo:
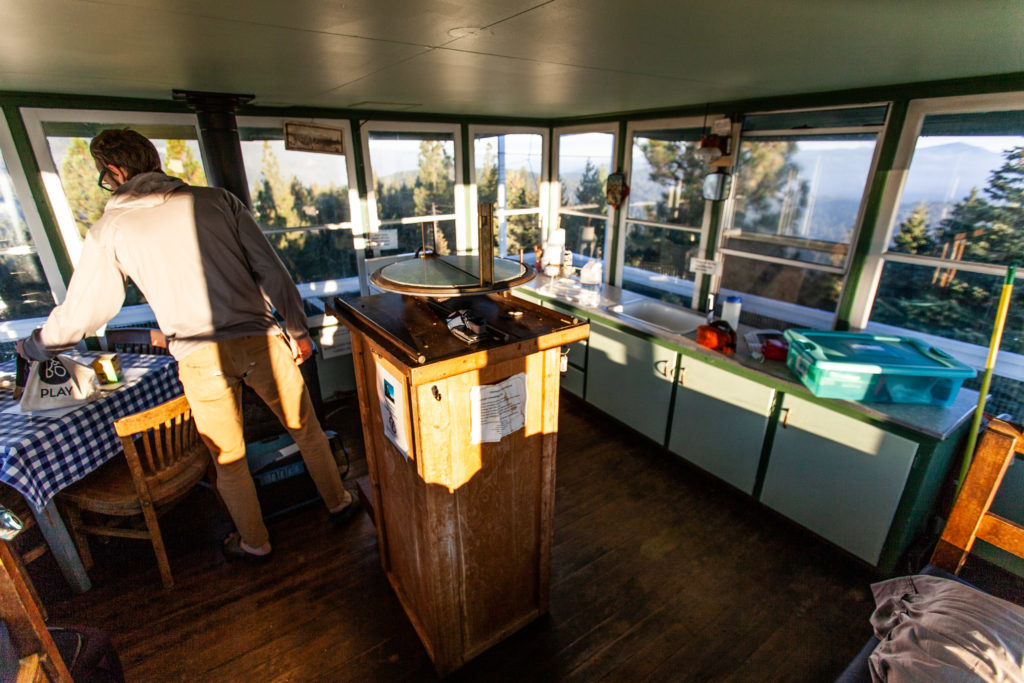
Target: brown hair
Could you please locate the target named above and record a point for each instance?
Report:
(125, 149)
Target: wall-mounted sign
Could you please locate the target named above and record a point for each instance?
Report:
(306, 137)
(383, 239)
(705, 266)
(393, 412)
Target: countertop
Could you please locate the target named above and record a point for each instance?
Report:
(935, 421)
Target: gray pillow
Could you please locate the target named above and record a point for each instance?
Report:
(935, 629)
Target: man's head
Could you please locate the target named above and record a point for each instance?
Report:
(129, 152)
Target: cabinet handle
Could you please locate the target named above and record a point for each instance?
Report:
(682, 376)
(785, 417)
(661, 367)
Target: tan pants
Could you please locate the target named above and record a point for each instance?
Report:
(212, 377)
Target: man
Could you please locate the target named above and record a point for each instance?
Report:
(208, 273)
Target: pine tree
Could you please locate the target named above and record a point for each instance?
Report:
(591, 192)
(913, 236)
(78, 176)
(181, 163)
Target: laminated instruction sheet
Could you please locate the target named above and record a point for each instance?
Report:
(497, 410)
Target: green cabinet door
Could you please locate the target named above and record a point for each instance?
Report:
(839, 477)
(630, 379)
(719, 422)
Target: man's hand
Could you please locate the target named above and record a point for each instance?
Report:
(301, 349)
(19, 347)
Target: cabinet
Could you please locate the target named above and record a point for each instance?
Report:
(719, 421)
(464, 524)
(631, 379)
(839, 477)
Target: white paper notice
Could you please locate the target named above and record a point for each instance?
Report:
(391, 394)
(335, 341)
(498, 409)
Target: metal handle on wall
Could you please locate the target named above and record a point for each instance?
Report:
(785, 416)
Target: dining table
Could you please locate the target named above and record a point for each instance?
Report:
(43, 452)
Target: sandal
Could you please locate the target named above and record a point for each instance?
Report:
(233, 549)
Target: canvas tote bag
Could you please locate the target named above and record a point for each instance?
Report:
(58, 383)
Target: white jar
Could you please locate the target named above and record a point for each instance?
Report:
(731, 311)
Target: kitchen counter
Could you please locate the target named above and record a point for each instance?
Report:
(935, 421)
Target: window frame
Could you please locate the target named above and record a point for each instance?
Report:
(544, 181)
(12, 330)
(632, 129)
(34, 117)
(462, 236)
(555, 185)
(879, 253)
(355, 222)
(806, 316)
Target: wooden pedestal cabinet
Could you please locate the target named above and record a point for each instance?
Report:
(464, 528)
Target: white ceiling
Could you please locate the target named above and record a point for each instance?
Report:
(532, 58)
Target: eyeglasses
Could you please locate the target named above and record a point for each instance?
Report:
(103, 182)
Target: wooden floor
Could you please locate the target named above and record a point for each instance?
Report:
(659, 573)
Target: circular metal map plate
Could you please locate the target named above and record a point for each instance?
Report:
(448, 275)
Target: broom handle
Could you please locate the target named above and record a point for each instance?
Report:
(986, 379)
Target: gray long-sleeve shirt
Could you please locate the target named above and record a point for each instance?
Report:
(197, 255)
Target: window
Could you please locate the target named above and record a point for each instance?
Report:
(412, 174)
(508, 172)
(303, 201)
(24, 292)
(27, 266)
(60, 141)
(665, 210)
(957, 222)
(584, 160)
(798, 189)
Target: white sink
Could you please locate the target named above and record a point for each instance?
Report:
(660, 314)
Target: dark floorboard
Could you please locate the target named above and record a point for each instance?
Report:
(659, 573)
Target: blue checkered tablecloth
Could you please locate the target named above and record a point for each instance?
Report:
(41, 455)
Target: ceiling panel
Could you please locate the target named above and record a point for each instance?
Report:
(463, 83)
(173, 51)
(412, 21)
(544, 58)
(787, 46)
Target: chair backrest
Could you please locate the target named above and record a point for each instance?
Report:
(970, 518)
(38, 655)
(137, 340)
(160, 443)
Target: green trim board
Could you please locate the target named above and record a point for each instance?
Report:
(975, 85)
(872, 208)
(34, 176)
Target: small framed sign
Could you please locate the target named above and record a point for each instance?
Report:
(705, 266)
(306, 137)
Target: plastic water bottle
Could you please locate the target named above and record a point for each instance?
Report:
(731, 311)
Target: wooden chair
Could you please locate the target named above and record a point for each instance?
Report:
(970, 519)
(164, 459)
(27, 547)
(38, 657)
(136, 340)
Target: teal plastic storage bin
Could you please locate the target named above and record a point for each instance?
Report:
(868, 367)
